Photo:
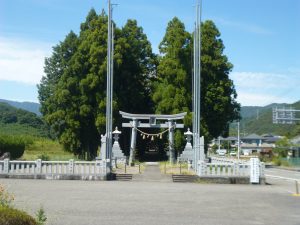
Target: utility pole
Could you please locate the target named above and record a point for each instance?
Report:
(109, 87)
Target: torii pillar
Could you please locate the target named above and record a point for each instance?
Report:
(171, 142)
(133, 141)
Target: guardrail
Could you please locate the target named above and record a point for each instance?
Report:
(70, 167)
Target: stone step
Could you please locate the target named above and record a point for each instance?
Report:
(123, 177)
(184, 178)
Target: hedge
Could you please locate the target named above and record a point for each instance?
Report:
(12, 144)
(10, 216)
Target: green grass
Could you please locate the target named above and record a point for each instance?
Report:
(46, 148)
(16, 129)
(168, 168)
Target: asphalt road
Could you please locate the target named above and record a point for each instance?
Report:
(155, 203)
(281, 173)
(283, 179)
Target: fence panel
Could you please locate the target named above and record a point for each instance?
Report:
(51, 167)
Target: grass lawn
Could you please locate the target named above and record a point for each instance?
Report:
(46, 149)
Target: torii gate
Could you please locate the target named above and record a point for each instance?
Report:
(136, 123)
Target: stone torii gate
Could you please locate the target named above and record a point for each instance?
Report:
(136, 122)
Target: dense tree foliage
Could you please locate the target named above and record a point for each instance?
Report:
(75, 105)
(173, 91)
(218, 94)
(73, 91)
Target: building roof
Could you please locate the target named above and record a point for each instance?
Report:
(268, 135)
(272, 139)
(253, 137)
(231, 138)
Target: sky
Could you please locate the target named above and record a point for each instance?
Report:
(261, 39)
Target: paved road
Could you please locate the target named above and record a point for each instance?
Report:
(283, 179)
(281, 173)
(155, 203)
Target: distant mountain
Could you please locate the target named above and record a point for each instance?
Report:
(29, 106)
(259, 120)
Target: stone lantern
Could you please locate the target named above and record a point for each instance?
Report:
(188, 153)
(116, 150)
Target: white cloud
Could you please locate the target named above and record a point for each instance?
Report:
(258, 80)
(22, 60)
(259, 99)
(243, 26)
(261, 89)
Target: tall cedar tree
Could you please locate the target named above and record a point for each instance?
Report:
(218, 95)
(73, 96)
(173, 90)
(133, 77)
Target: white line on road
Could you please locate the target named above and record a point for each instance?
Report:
(283, 178)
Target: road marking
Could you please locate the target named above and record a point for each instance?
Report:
(296, 195)
(283, 178)
(276, 170)
(287, 179)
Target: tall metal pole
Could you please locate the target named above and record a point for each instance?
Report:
(109, 90)
(238, 140)
(197, 86)
(111, 82)
(199, 65)
(194, 88)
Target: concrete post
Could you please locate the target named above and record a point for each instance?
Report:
(236, 169)
(262, 169)
(201, 168)
(201, 149)
(71, 166)
(189, 164)
(100, 168)
(38, 166)
(171, 142)
(133, 141)
(103, 147)
(104, 164)
(6, 166)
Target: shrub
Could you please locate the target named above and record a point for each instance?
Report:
(12, 144)
(41, 216)
(44, 157)
(276, 161)
(6, 198)
(10, 216)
